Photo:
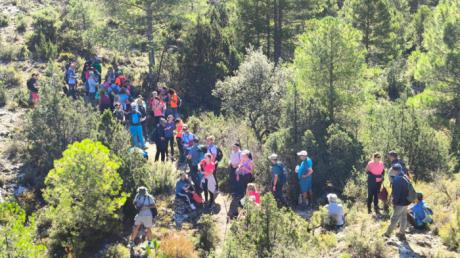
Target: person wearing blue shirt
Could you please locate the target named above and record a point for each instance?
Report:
(187, 139)
(278, 178)
(72, 80)
(194, 156)
(304, 175)
(183, 189)
(419, 214)
(135, 127)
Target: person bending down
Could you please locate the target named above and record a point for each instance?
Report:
(183, 189)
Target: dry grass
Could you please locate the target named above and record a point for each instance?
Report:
(178, 245)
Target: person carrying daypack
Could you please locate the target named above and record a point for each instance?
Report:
(279, 176)
(145, 204)
(32, 86)
(135, 127)
(402, 194)
(214, 151)
(420, 215)
(71, 80)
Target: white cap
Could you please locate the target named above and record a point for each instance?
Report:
(332, 197)
(302, 153)
(273, 156)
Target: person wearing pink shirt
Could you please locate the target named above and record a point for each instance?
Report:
(208, 183)
(157, 106)
(375, 172)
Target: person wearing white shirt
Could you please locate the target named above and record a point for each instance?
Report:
(335, 211)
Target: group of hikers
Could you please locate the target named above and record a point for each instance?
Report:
(159, 121)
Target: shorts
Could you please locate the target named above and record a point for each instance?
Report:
(305, 184)
(147, 221)
(34, 97)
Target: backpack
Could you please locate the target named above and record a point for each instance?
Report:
(220, 154)
(412, 194)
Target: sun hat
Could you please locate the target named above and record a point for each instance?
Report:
(332, 197)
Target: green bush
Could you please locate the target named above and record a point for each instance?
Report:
(21, 25)
(42, 42)
(450, 232)
(116, 251)
(17, 233)
(4, 21)
(84, 193)
(54, 124)
(3, 97)
(207, 235)
(10, 77)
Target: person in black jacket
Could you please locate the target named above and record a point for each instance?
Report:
(160, 140)
(32, 85)
(400, 203)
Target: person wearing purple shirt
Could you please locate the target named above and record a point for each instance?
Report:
(170, 126)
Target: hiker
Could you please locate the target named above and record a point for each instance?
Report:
(212, 148)
(71, 80)
(375, 173)
(184, 189)
(233, 163)
(123, 98)
(208, 183)
(140, 104)
(194, 157)
(120, 78)
(104, 100)
(160, 140)
(187, 139)
(419, 215)
(304, 174)
(97, 68)
(393, 157)
(400, 194)
(110, 77)
(143, 202)
(119, 114)
(170, 126)
(335, 212)
(157, 106)
(179, 126)
(32, 86)
(278, 178)
(92, 87)
(244, 172)
(252, 195)
(135, 127)
(174, 103)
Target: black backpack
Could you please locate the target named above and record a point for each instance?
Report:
(220, 154)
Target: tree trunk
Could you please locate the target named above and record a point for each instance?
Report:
(331, 97)
(278, 26)
(268, 28)
(149, 14)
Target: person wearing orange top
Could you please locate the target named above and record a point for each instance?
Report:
(208, 183)
(375, 172)
(179, 127)
(174, 103)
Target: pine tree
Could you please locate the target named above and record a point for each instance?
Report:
(376, 19)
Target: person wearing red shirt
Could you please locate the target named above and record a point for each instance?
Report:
(208, 183)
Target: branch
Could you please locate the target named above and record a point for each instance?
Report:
(132, 5)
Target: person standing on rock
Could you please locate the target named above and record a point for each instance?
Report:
(400, 193)
(32, 85)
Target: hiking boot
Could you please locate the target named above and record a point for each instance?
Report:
(377, 210)
(369, 211)
(401, 236)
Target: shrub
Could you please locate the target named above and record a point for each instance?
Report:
(54, 124)
(3, 98)
(450, 232)
(17, 236)
(4, 21)
(42, 42)
(363, 244)
(116, 251)
(161, 179)
(21, 25)
(207, 235)
(84, 194)
(177, 245)
(10, 77)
